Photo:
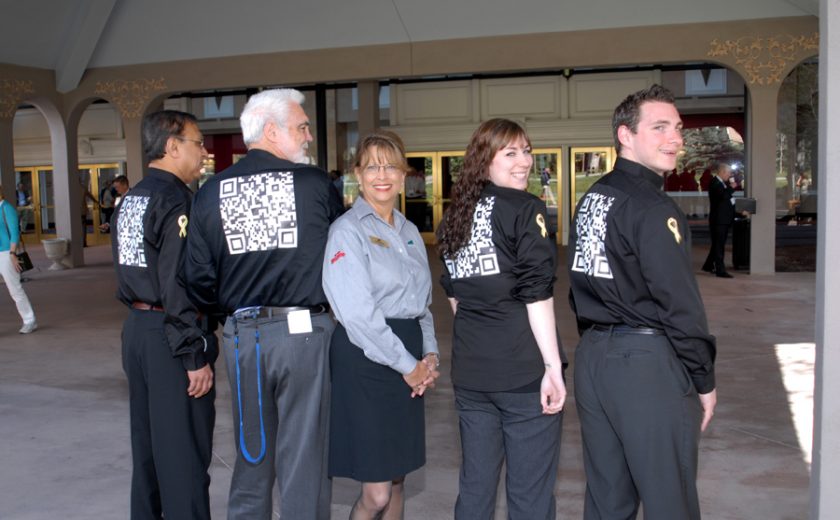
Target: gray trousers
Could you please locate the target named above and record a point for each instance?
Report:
(509, 427)
(640, 420)
(286, 424)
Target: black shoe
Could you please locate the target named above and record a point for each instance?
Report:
(724, 274)
(708, 269)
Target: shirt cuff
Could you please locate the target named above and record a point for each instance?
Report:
(406, 364)
(195, 360)
(704, 383)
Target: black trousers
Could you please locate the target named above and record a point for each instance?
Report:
(640, 420)
(171, 432)
(714, 261)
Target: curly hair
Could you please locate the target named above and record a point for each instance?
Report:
(490, 137)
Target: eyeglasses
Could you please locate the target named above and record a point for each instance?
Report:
(390, 169)
(199, 142)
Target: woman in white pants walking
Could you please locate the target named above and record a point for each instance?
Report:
(9, 268)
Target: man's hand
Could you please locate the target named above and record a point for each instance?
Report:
(708, 402)
(201, 381)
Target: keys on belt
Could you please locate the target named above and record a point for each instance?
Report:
(627, 329)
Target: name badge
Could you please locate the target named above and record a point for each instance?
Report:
(300, 322)
(378, 241)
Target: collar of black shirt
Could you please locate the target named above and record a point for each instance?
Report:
(262, 160)
(164, 175)
(637, 170)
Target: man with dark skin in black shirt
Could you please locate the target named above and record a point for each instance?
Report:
(167, 357)
(644, 369)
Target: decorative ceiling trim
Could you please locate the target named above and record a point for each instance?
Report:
(764, 60)
(12, 92)
(130, 96)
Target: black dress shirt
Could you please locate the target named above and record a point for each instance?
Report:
(257, 235)
(630, 263)
(509, 262)
(148, 247)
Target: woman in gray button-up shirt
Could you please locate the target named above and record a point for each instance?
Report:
(383, 354)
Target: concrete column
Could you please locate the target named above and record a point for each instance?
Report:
(368, 118)
(825, 469)
(333, 153)
(132, 128)
(761, 137)
(7, 159)
(67, 188)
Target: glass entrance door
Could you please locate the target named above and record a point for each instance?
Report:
(588, 165)
(97, 200)
(35, 200)
(428, 188)
(544, 182)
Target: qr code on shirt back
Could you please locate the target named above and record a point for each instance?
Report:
(591, 226)
(130, 230)
(258, 212)
(478, 257)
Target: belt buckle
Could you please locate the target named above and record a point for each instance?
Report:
(247, 313)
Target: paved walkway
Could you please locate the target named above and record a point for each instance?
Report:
(65, 449)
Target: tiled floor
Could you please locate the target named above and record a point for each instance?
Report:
(64, 441)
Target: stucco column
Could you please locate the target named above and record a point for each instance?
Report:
(368, 114)
(133, 149)
(7, 159)
(761, 137)
(825, 469)
(67, 189)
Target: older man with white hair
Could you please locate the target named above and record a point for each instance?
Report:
(255, 245)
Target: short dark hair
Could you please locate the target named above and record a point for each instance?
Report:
(120, 179)
(627, 112)
(158, 127)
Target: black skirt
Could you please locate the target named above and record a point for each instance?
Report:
(377, 431)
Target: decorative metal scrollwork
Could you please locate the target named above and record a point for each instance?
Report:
(765, 59)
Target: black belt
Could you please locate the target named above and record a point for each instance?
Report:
(272, 312)
(627, 329)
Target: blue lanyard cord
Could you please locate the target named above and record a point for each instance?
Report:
(242, 445)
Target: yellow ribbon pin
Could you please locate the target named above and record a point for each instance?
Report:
(541, 223)
(675, 229)
(182, 223)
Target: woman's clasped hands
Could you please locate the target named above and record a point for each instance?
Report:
(424, 374)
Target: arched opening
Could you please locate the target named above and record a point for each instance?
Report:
(797, 187)
(102, 158)
(34, 174)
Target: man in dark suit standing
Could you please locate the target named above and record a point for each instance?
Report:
(721, 216)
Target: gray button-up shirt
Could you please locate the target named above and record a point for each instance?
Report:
(373, 271)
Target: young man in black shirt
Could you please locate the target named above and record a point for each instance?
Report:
(644, 369)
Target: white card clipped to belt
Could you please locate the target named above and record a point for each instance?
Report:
(300, 322)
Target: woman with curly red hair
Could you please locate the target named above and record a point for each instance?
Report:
(507, 368)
